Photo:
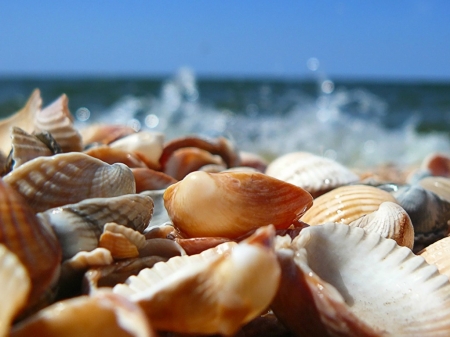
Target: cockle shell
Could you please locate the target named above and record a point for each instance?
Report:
(48, 182)
(209, 293)
(34, 244)
(346, 204)
(14, 290)
(438, 253)
(391, 221)
(103, 314)
(230, 204)
(345, 281)
(79, 226)
(315, 174)
(429, 214)
(57, 120)
(438, 185)
(23, 119)
(148, 179)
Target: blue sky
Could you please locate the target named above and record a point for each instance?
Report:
(351, 39)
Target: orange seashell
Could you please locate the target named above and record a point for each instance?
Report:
(118, 244)
(230, 204)
(148, 179)
(112, 156)
(104, 133)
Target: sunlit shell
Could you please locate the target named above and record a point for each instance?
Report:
(48, 182)
(189, 159)
(346, 204)
(26, 147)
(118, 244)
(14, 290)
(148, 179)
(315, 174)
(209, 293)
(391, 221)
(438, 253)
(79, 226)
(35, 246)
(112, 156)
(103, 314)
(348, 282)
(438, 185)
(23, 119)
(221, 146)
(429, 214)
(57, 120)
(231, 204)
(148, 145)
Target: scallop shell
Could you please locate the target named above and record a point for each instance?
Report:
(48, 182)
(209, 293)
(103, 314)
(429, 214)
(230, 204)
(15, 288)
(390, 221)
(35, 246)
(438, 185)
(148, 179)
(346, 204)
(315, 174)
(79, 226)
(348, 282)
(438, 253)
(26, 147)
(57, 120)
(23, 119)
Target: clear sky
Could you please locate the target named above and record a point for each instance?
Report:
(394, 39)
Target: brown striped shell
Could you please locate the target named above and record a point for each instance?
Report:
(48, 182)
(230, 204)
(346, 204)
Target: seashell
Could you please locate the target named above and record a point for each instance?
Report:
(160, 215)
(345, 281)
(119, 245)
(438, 254)
(212, 168)
(438, 185)
(35, 246)
(164, 231)
(391, 221)
(23, 119)
(228, 288)
(15, 288)
(197, 245)
(148, 179)
(57, 120)
(48, 182)
(161, 247)
(103, 314)
(104, 133)
(253, 160)
(26, 147)
(438, 164)
(79, 226)
(230, 204)
(134, 236)
(346, 204)
(313, 173)
(221, 146)
(429, 214)
(147, 145)
(189, 159)
(112, 156)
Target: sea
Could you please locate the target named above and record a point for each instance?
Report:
(360, 123)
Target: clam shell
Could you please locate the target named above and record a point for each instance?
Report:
(438, 185)
(315, 174)
(346, 204)
(104, 133)
(429, 214)
(26, 147)
(230, 204)
(349, 282)
(79, 226)
(391, 221)
(35, 246)
(209, 293)
(134, 236)
(119, 245)
(254, 160)
(57, 120)
(23, 119)
(161, 247)
(112, 156)
(438, 253)
(15, 287)
(148, 179)
(48, 182)
(103, 314)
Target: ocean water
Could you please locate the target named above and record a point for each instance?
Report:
(359, 124)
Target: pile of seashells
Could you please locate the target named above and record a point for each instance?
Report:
(108, 231)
